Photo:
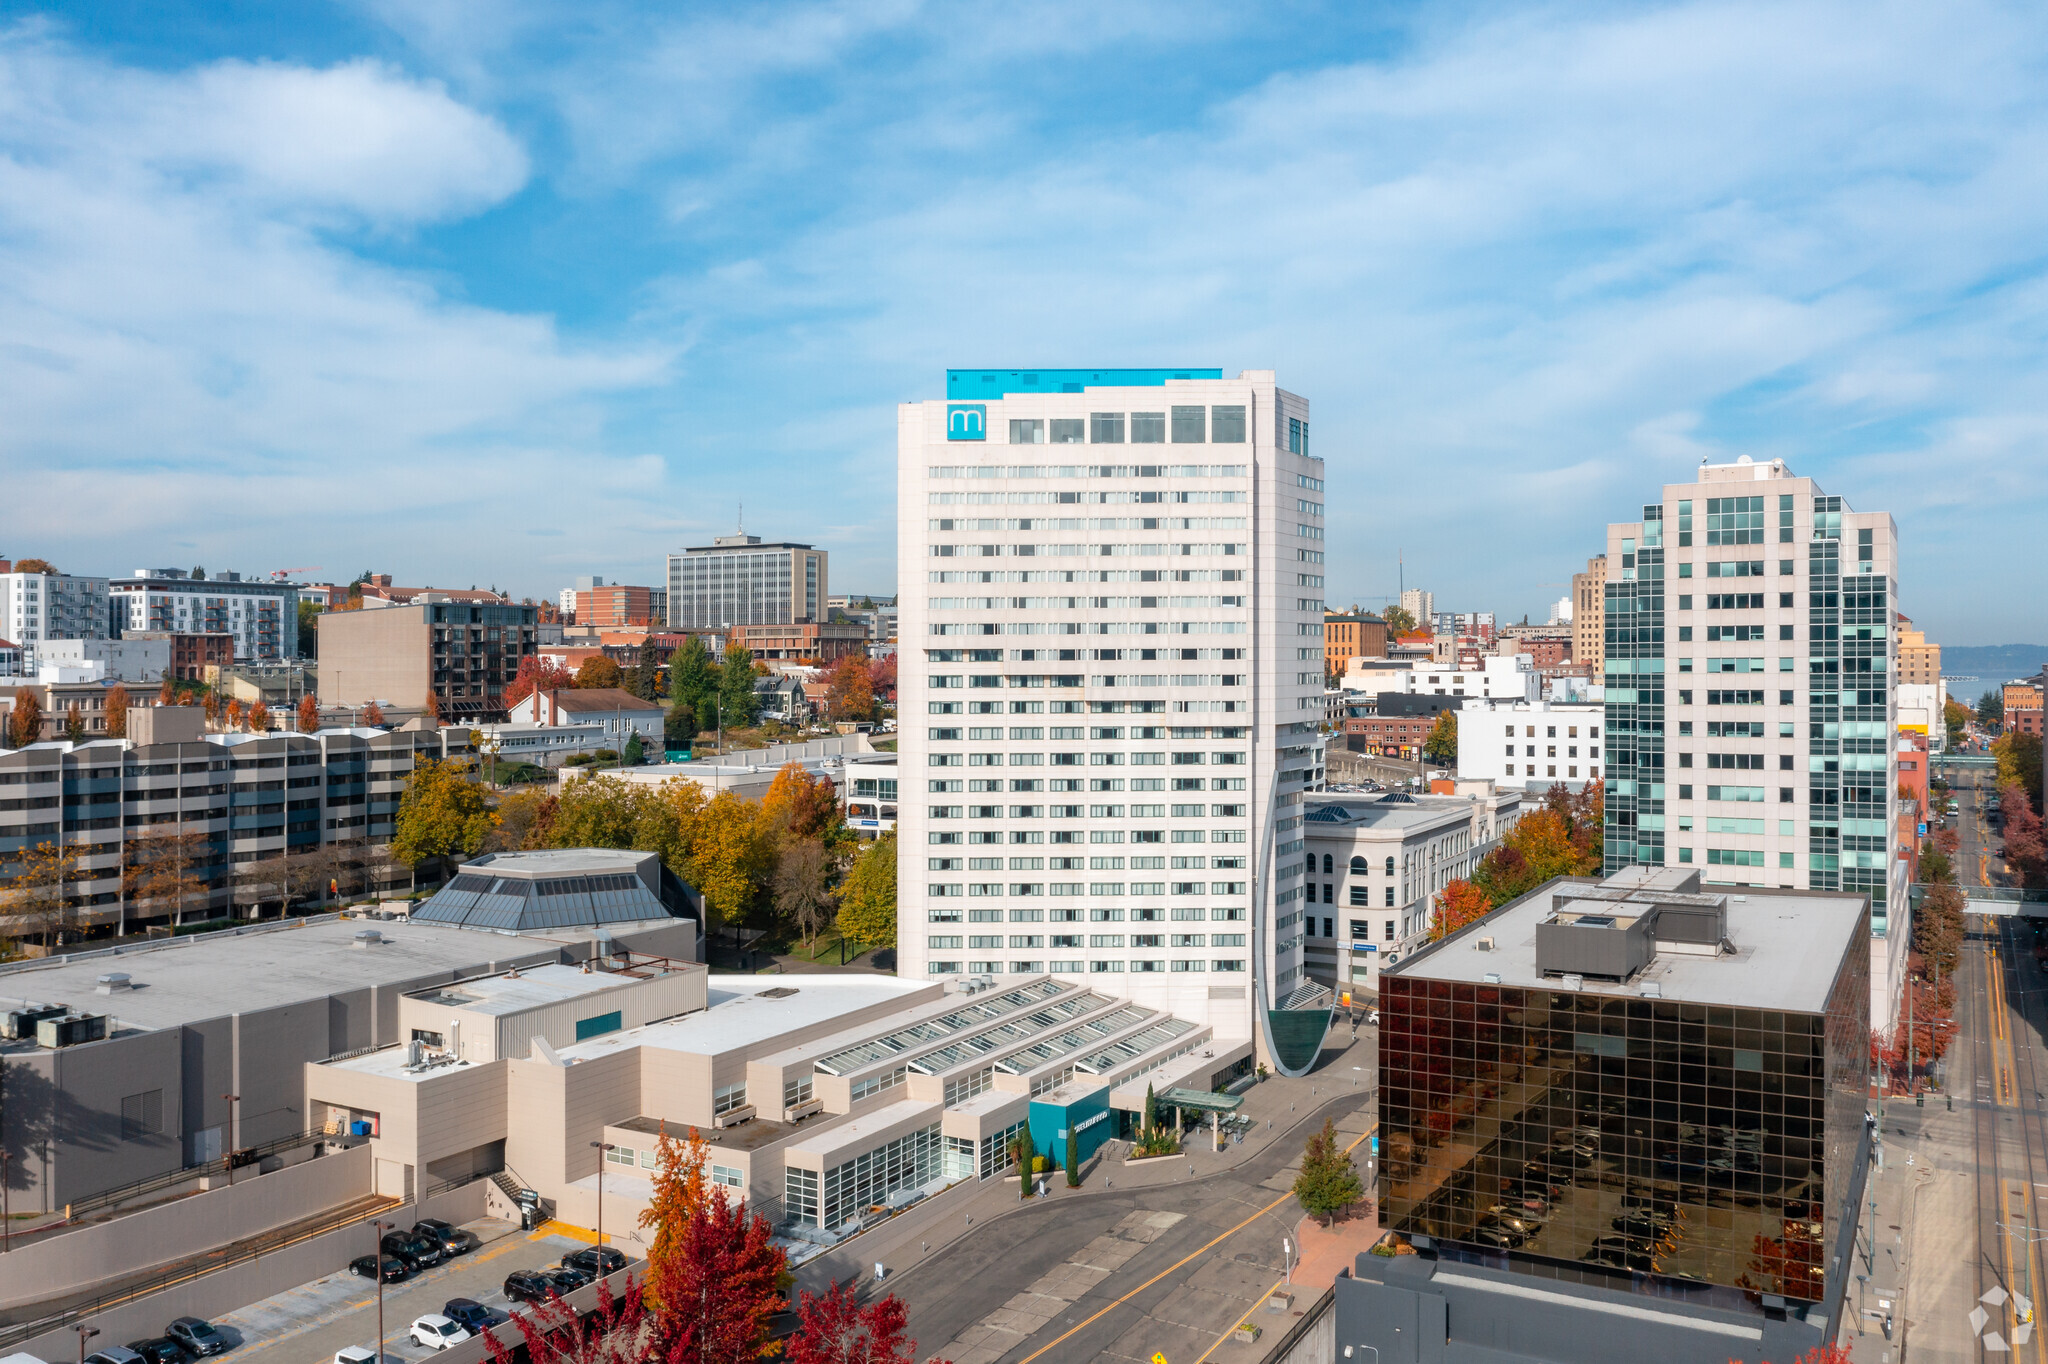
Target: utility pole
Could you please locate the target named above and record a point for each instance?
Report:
(604, 1150)
(377, 1230)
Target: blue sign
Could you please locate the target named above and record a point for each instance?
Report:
(1367, 947)
(966, 421)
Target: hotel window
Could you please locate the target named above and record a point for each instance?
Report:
(1106, 428)
(1068, 430)
(1148, 428)
(1027, 431)
(1187, 425)
(1226, 425)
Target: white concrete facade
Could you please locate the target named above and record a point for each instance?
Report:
(1530, 744)
(35, 607)
(122, 660)
(1111, 683)
(262, 616)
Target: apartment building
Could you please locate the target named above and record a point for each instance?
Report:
(1750, 670)
(1349, 635)
(737, 580)
(464, 654)
(1170, 615)
(822, 642)
(1421, 606)
(127, 659)
(1530, 744)
(1589, 614)
(251, 798)
(1376, 862)
(614, 605)
(41, 606)
(262, 617)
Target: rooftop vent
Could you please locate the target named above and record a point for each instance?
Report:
(779, 992)
(114, 980)
(1491, 977)
(1484, 944)
(369, 937)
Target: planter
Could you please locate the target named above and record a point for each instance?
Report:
(1140, 1160)
(1280, 1302)
(1246, 1333)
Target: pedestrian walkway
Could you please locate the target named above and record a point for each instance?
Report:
(1919, 1268)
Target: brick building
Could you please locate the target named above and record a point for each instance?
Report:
(824, 643)
(192, 654)
(1351, 635)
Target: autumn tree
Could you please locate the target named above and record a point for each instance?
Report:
(167, 692)
(2019, 765)
(233, 714)
(1400, 620)
(678, 1195)
(867, 900)
(34, 566)
(373, 715)
(259, 717)
(25, 720)
(164, 869)
(74, 723)
(728, 856)
(802, 887)
(1938, 927)
(2026, 847)
(608, 812)
(38, 889)
(537, 674)
(1457, 904)
(838, 1328)
(524, 819)
(555, 1333)
(441, 813)
(597, 671)
(853, 689)
(430, 709)
(798, 805)
(210, 705)
(1442, 744)
(1955, 718)
(718, 1309)
(882, 677)
(1328, 1183)
(117, 711)
(309, 714)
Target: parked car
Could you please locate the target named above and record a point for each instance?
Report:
(469, 1312)
(418, 1252)
(567, 1280)
(158, 1350)
(437, 1332)
(368, 1266)
(197, 1336)
(595, 1261)
(114, 1354)
(361, 1354)
(453, 1239)
(527, 1285)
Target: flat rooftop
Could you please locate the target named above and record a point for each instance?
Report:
(1788, 946)
(557, 862)
(536, 986)
(1371, 810)
(745, 1011)
(211, 975)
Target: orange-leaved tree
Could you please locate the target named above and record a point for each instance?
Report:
(431, 707)
(234, 713)
(259, 717)
(537, 674)
(373, 714)
(679, 1185)
(117, 711)
(853, 689)
(74, 723)
(309, 714)
(167, 694)
(597, 671)
(799, 806)
(1457, 904)
(25, 721)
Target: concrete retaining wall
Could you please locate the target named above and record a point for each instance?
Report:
(217, 1294)
(55, 1265)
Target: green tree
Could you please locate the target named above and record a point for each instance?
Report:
(1027, 1156)
(867, 900)
(1072, 1161)
(2019, 763)
(693, 679)
(309, 629)
(633, 752)
(1954, 716)
(441, 813)
(736, 701)
(679, 726)
(1400, 620)
(1442, 744)
(1991, 707)
(1328, 1182)
(646, 680)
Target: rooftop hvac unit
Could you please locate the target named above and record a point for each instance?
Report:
(19, 1025)
(69, 1030)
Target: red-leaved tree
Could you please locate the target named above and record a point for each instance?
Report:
(716, 1306)
(838, 1328)
(309, 714)
(537, 674)
(553, 1333)
(1457, 904)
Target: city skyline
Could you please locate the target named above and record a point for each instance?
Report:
(647, 261)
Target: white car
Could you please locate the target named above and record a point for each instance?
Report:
(437, 1332)
(1373, 1018)
(361, 1354)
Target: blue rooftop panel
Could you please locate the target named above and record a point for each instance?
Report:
(967, 384)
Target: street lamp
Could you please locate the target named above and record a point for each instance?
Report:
(377, 1230)
(85, 1333)
(604, 1150)
(232, 1099)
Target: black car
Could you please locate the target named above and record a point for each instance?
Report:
(595, 1261)
(418, 1252)
(366, 1266)
(468, 1312)
(452, 1239)
(1641, 1226)
(567, 1279)
(527, 1285)
(159, 1350)
(1616, 1259)
(197, 1336)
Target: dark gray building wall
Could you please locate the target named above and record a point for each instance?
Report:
(1415, 1310)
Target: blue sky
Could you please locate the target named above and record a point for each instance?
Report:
(508, 292)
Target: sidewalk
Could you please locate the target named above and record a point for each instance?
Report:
(1277, 1106)
(1920, 1270)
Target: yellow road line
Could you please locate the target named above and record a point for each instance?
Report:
(2002, 1060)
(1184, 1259)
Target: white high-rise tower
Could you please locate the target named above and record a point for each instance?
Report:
(1111, 681)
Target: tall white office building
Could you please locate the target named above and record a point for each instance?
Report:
(1110, 684)
(1751, 710)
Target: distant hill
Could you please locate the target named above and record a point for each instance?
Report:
(1992, 662)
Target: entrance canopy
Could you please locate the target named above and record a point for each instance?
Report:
(1200, 1102)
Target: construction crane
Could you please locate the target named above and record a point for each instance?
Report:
(280, 574)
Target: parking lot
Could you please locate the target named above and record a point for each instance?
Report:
(307, 1324)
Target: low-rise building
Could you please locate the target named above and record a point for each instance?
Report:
(613, 605)
(1393, 724)
(1349, 635)
(1531, 744)
(378, 591)
(1513, 677)
(867, 794)
(57, 688)
(1375, 864)
(545, 745)
(118, 660)
(192, 655)
(10, 658)
(2024, 703)
(616, 713)
(749, 772)
(821, 643)
(39, 603)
